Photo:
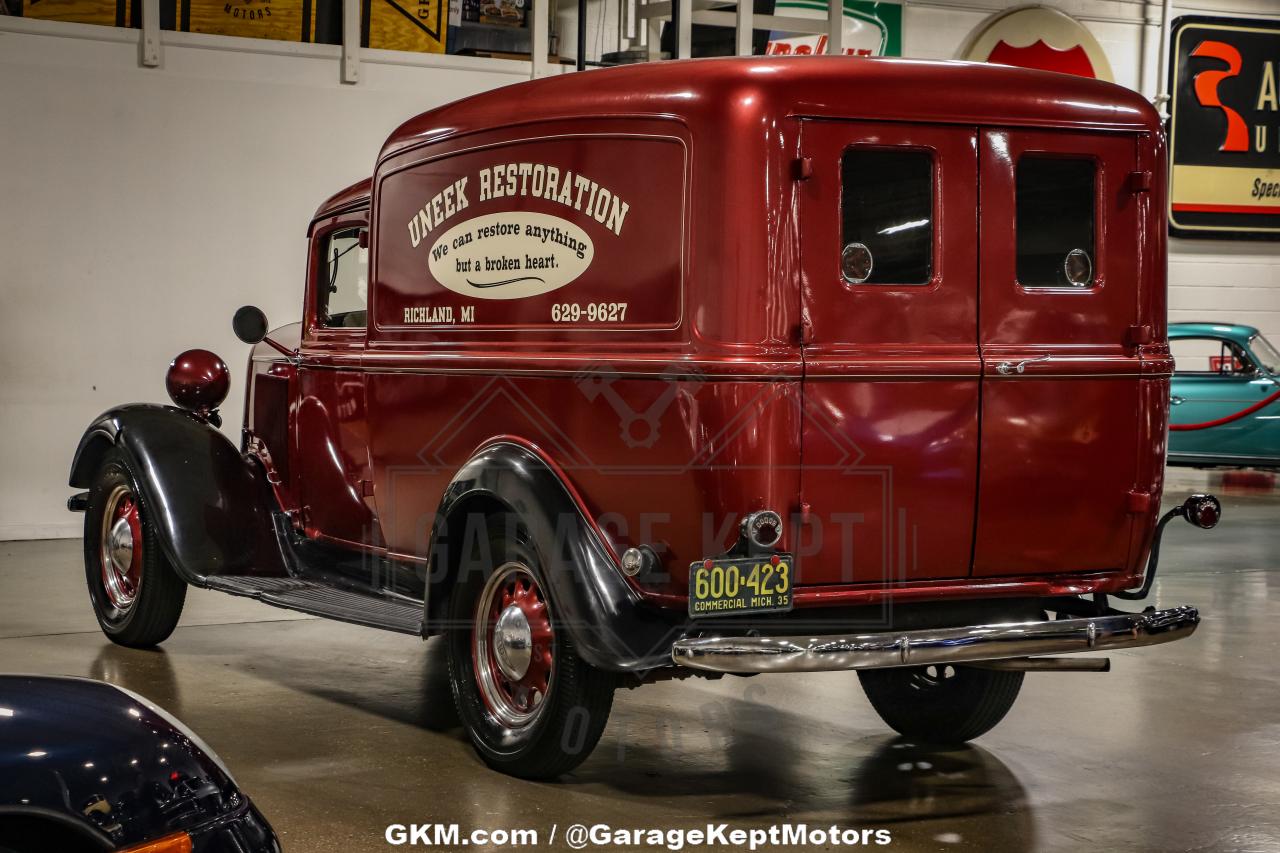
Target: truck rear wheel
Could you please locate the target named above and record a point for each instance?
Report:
(941, 704)
(531, 706)
(136, 594)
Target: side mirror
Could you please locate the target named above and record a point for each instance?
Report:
(250, 324)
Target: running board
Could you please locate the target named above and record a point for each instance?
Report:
(319, 599)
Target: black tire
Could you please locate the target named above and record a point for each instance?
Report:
(941, 704)
(567, 721)
(158, 592)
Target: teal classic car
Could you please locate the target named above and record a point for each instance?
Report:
(1221, 371)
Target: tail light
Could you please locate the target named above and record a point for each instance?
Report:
(1203, 511)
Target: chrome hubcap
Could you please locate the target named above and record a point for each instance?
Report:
(120, 545)
(120, 550)
(513, 646)
(513, 643)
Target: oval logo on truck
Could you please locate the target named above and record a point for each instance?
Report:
(510, 255)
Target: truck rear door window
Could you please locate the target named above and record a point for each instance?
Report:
(1055, 222)
(886, 216)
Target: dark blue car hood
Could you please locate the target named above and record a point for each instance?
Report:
(107, 758)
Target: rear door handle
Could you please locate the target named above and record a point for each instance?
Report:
(1006, 368)
(1177, 401)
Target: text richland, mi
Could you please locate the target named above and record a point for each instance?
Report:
(535, 180)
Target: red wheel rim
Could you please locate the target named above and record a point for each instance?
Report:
(513, 646)
(120, 554)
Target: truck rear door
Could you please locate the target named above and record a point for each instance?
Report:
(1062, 403)
(892, 369)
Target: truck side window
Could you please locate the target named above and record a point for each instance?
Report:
(1055, 222)
(886, 216)
(344, 280)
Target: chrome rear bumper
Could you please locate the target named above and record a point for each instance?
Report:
(934, 646)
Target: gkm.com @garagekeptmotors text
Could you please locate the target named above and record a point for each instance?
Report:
(604, 836)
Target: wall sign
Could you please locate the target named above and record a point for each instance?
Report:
(1224, 77)
(417, 25)
(1038, 37)
(285, 20)
(110, 13)
(871, 28)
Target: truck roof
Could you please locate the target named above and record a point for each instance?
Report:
(706, 92)
(347, 198)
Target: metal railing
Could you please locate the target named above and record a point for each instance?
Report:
(683, 14)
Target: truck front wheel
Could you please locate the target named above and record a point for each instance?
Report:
(941, 704)
(136, 594)
(531, 706)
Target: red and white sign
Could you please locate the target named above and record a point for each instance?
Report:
(1038, 37)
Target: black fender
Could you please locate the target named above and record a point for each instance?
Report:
(210, 504)
(612, 626)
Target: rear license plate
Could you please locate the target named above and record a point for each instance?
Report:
(732, 586)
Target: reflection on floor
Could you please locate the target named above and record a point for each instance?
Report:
(337, 731)
(1229, 481)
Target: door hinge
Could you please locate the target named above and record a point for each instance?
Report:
(1140, 181)
(802, 168)
(1136, 336)
(1139, 501)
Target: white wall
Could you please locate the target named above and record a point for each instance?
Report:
(140, 207)
(602, 27)
(1226, 282)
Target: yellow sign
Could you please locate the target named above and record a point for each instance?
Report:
(107, 13)
(416, 25)
(1226, 189)
(283, 20)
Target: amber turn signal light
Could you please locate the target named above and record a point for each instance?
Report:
(179, 842)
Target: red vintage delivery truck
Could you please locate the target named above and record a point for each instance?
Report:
(691, 369)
